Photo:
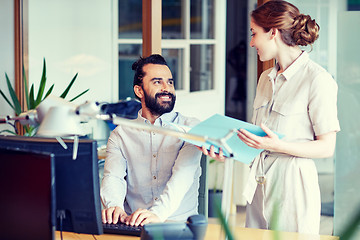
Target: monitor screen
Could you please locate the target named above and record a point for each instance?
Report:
(27, 186)
(77, 190)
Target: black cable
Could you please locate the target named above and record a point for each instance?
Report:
(61, 236)
(15, 128)
(61, 215)
(13, 125)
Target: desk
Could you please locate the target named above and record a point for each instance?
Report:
(213, 233)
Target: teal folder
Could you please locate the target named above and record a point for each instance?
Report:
(219, 127)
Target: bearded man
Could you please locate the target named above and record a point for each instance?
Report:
(150, 177)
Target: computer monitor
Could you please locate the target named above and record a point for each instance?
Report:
(78, 207)
(27, 186)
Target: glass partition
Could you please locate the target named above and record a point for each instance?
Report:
(347, 164)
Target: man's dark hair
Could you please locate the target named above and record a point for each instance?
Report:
(139, 65)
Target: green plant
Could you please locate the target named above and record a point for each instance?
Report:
(31, 101)
(224, 223)
(351, 228)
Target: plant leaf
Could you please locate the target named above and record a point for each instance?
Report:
(49, 91)
(31, 97)
(80, 94)
(223, 221)
(6, 99)
(30, 131)
(26, 90)
(13, 96)
(351, 228)
(63, 95)
(42, 86)
(26, 128)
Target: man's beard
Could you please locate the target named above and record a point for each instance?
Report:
(155, 107)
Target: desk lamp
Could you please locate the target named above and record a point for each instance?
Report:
(56, 118)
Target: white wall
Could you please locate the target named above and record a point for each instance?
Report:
(75, 37)
(7, 55)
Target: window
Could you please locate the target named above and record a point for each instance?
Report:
(188, 43)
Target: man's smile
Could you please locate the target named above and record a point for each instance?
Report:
(165, 97)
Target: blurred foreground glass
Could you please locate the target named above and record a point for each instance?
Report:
(347, 164)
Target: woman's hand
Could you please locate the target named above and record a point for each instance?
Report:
(217, 156)
(269, 142)
(322, 147)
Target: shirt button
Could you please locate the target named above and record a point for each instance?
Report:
(156, 199)
(154, 155)
(154, 177)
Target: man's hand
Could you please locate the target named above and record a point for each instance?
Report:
(113, 214)
(217, 156)
(141, 217)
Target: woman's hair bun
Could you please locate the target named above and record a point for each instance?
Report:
(306, 30)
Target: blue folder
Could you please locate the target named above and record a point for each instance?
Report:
(219, 127)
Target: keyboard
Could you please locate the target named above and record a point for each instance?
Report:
(122, 229)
